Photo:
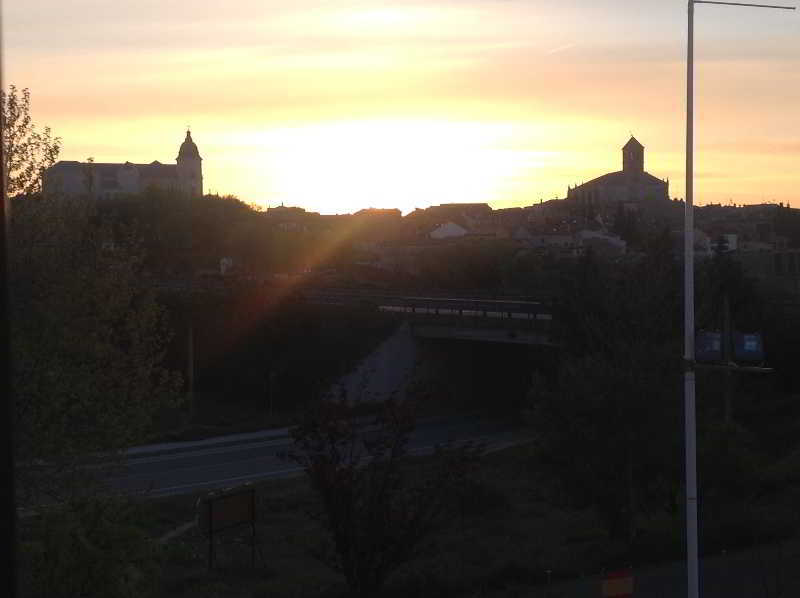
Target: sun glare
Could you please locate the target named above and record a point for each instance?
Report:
(344, 166)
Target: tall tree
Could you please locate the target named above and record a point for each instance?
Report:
(608, 424)
(88, 337)
(377, 507)
(27, 151)
(608, 432)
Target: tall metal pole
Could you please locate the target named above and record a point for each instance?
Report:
(688, 330)
(692, 568)
(8, 518)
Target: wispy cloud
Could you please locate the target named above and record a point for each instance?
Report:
(559, 49)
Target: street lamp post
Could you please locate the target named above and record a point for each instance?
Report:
(688, 281)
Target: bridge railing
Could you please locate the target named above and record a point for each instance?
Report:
(476, 316)
(510, 313)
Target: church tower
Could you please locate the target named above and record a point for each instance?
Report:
(633, 157)
(190, 170)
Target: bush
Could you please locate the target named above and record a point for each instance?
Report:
(729, 466)
(90, 548)
(740, 525)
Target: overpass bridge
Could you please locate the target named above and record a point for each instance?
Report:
(496, 320)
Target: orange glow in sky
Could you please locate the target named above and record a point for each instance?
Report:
(338, 106)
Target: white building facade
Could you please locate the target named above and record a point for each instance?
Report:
(102, 180)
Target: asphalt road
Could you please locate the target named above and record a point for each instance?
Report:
(224, 462)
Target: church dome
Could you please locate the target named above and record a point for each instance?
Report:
(188, 148)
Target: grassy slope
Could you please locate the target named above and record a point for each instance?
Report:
(501, 541)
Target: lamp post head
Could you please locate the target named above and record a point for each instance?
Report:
(780, 7)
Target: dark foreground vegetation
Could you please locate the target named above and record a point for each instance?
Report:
(508, 535)
(598, 484)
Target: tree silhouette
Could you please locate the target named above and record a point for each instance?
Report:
(88, 339)
(377, 507)
(607, 425)
(27, 152)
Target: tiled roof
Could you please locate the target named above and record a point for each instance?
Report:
(621, 177)
(632, 142)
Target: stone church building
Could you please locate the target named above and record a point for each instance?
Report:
(631, 184)
(107, 180)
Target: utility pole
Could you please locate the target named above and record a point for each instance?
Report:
(690, 432)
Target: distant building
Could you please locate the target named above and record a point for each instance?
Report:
(551, 240)
(703, 248)
(603, 244)
(522, 234)
(448, 230)
(290, 218)
(755, 247)
(101, 180)
(631, 184)
(468, 214)
(225, 265)
(777, 270)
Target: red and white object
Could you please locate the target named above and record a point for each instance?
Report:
(618, 584)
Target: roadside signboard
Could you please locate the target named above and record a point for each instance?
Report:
(219, 511)
(747, 347)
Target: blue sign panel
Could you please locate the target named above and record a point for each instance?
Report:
(748, 347)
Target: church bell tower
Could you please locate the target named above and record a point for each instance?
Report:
(633, 157)
(190, 170)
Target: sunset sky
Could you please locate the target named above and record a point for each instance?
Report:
(342, 105)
